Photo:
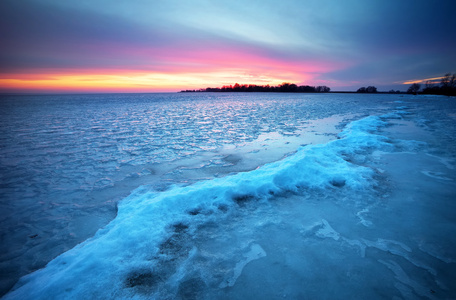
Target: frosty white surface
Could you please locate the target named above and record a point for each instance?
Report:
(345, 218)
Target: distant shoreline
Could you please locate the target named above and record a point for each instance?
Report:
(285, 87)
(139, 93)
(330, 92)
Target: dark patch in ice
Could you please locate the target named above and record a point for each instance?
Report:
(142, 278)
(192, 289)
(339, 182)
(243, 199)
(171, 246)
(194, 212)
(176, 245)
(171, 254)
(161, 187)
(232, 159)
(180, 227)
(223, 207)
(33, 236)
(152, 171)
(200, 211)
(347, 158)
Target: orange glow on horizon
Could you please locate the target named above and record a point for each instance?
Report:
(128, 81)
(172, 72)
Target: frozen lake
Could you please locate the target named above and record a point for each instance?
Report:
(228, 196)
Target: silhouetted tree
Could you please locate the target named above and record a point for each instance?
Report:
(306, 89)
(284, 87)
(446, 87)
(431, 88)
(369, 89)
(448, 80)
(448, 84)
(414, 88)
(322, 89)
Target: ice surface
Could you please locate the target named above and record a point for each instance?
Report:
(67, 160)
(272, 211)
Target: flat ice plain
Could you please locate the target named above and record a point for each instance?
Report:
(228, 196)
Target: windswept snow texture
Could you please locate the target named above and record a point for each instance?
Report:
(229, 196)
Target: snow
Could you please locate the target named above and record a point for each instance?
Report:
(277, 196)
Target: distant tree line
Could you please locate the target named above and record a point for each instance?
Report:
(369, 89)
(394, 92)
(282, 88)
(447, 86)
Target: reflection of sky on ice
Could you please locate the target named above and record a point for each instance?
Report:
(259, 194)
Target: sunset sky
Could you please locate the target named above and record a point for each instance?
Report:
(154, 46)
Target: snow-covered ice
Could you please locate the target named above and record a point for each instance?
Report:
(228, 196)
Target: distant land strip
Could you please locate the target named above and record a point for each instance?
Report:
(447, 86)
(282, 88)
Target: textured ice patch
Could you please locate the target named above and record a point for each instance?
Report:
(390, 246)
(438, 252)
(436, 175)
(405, 279)
(256, 252)
(326, 231)
(447, 162)
(394, 247)
(361, 215)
